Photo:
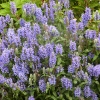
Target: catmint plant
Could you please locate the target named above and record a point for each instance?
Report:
(49, 54)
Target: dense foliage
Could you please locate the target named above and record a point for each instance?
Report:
(48, 54)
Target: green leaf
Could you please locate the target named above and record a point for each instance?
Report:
(97, 82)
(59, 61)
(4, 11)
(19, 3)
(62, 73)
(94, 5)
(75, 81)
(78, 7)
(39, 97)
(82, 84)
(86, 50)
(50, 96)
(5, 5)
(67, 96)
(95, 57)
(54, 93)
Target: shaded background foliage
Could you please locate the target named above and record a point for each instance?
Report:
(78, 7)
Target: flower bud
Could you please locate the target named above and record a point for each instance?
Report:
(79, 49)
(95, 40)
(30, 81)
(16, 50)
(80, 40)
(44, 71)
(34, 77)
